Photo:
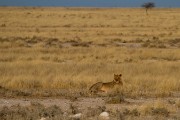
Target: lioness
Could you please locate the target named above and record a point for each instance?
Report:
(105, 87)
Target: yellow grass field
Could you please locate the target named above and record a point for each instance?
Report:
(56, 49)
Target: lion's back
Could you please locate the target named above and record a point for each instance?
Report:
(96, 87)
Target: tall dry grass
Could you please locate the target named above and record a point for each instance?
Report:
(30, 60)
(79, 68)
(99, 25)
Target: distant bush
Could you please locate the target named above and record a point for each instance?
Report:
(148, 6)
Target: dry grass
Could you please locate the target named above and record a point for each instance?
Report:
(147, 110)
(157, 108)
(72, 48)
(99, 25)
(34, 111)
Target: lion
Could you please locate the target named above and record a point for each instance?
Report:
(106, 87)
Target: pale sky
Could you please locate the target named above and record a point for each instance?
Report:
(89, 3)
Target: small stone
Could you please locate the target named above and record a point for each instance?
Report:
(43, 118)
(76, 116)
(104, 116)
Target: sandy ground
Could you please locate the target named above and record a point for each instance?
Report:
(85, 102)
(92, 106)
(63, 103)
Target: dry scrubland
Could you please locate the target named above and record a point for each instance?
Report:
(62, 51)
(48, 51)
(61, 109)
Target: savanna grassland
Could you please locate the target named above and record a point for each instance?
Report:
(63, 51)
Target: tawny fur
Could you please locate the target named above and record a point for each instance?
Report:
(105, 87)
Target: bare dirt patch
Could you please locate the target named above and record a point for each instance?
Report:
(90, 108)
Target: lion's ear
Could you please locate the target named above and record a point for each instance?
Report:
(120, 74)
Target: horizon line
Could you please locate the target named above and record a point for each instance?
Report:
(82, 6)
